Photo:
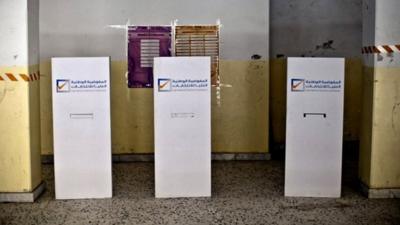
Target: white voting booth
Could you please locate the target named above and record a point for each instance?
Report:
(314, 127)
(182, 121)
(82, 132)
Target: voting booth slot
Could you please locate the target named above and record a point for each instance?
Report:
(314, 114)
(81, 115)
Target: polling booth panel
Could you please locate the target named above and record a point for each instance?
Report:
(82, 131)
(314, 127)
(182, 127)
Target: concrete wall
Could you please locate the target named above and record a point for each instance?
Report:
(75, 27)
(19, 98)
(302, 27)
(79, 28)
(298, 28)
(316, 28)
(380, 141)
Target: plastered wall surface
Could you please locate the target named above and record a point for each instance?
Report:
(20, 168)
(366, 125)
(321, 28)
(352, 99)
(379, 147)
(278, 100)
(386, 20)
(379, 150)
(79, 28)
(316, 22)
(19, 98)
(64, 23)
(387, 24)
(368, 29)
(305, 28)
(34, 128)
(13, 40)
(33, 32)
(34, 91)
(385, 171)
(239, 124)
(385, 155)
(15, 156)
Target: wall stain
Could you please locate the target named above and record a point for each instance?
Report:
(3, 90)
(325, 45)
(256, 57)
(313, 3)
(395, 114)
(390, 55)
(396, 109)
(320, 50)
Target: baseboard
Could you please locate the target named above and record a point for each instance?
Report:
(23, 196)
(48, 159)
(380, 192)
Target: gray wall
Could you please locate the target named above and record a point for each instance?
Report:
(301, 27)
(298, 27)
(79, 27)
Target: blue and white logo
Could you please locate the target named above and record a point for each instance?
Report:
(297, 85)
(301, 85)
(164, 84)
(63, 85)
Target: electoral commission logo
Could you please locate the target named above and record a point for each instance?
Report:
(164, 84)
(300, 85)
(63, 85)
(67, 85)
(297, 85)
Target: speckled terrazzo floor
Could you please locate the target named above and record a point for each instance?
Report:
(243, 193)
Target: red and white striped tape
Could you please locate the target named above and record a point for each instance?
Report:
(381, 49)
(19, 77)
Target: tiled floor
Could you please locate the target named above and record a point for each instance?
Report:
(243, 193)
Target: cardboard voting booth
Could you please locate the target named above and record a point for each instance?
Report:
(314, 127)
(182, 126)
(82, 131)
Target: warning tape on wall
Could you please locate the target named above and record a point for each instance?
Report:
(378, 49)
(19, 77)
